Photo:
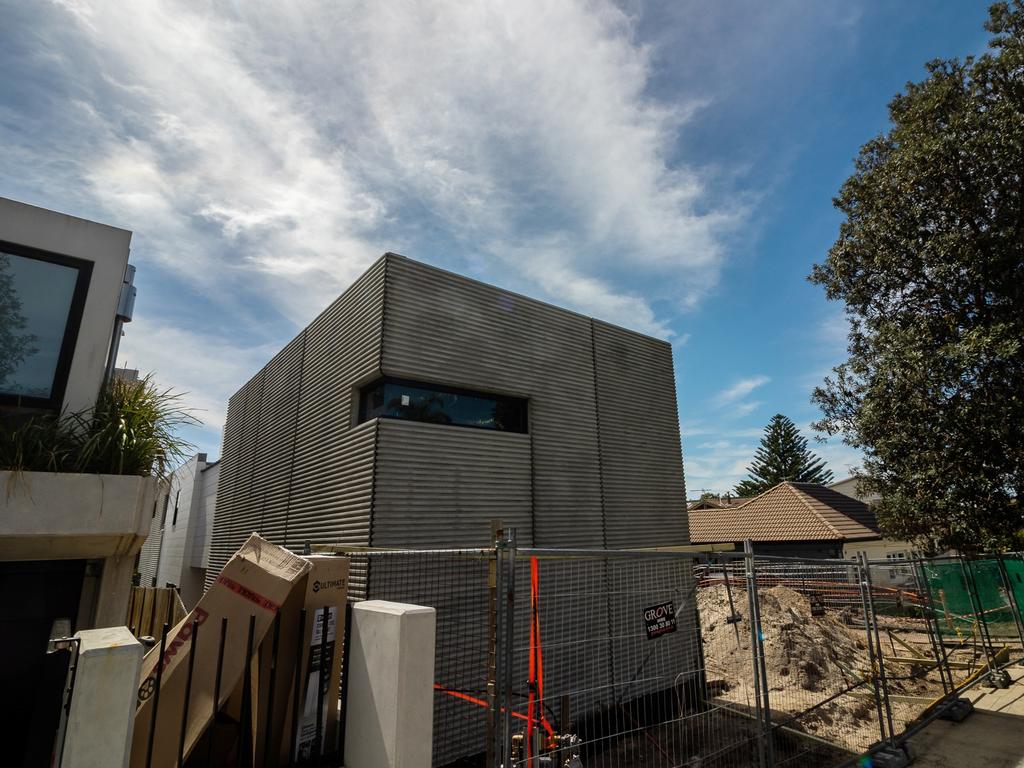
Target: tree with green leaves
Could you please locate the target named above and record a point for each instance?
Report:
(15, 343)
(930, 265)
(782, 456)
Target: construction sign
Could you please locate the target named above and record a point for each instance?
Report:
(660, 619)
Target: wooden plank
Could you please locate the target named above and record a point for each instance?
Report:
(921, 662)
(906, 645)
(892, 697)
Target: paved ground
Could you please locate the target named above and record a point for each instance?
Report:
(991, 737)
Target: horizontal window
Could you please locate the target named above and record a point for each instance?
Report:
(415, 401)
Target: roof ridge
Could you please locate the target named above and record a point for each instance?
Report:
(803, 499)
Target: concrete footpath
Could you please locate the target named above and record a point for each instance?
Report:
(992, 736)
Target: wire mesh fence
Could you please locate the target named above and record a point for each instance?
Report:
(639, 658)
(610, 658)
(460, 585)
(686, 659)
(670, 659)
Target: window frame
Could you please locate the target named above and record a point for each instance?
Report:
(443, 389)
(76, 310)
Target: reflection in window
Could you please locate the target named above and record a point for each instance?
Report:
(35, 303)
(415, 401)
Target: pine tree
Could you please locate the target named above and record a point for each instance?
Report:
(783, 455)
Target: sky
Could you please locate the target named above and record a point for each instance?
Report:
(666, 166)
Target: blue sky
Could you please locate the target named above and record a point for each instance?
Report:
(668, 166)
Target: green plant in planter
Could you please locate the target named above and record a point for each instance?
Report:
(132, 430)
(39, 444)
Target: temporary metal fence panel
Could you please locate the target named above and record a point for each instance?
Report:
(627, 658)
(817, 658)
(458, 585)
(1015, 569)
(976, 613)
(607, 664)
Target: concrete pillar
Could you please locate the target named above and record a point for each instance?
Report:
(99, 727)
(114, 591)
(389, 716)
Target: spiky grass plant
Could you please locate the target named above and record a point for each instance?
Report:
(132, 430)
(40, 444)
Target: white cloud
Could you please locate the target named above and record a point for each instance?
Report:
(744, 409)
(308, 136)
(205, 367)
(265, 153)
(739, 390)
(717, 466)
(833, 332)
(720, 463)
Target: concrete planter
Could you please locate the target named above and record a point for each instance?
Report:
(63, 515)
(57, 515)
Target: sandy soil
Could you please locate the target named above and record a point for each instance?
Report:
(810, 660)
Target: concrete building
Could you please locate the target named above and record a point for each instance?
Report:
(65, 292)
(177, 550)
(419, 407)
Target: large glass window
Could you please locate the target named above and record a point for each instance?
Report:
(416, 401)
(41, 299)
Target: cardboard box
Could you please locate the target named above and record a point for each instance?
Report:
(323, 589)
(325, 599)
(256, 582)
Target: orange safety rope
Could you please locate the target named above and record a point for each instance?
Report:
(471, 699)
(536, 682)
(532, 683)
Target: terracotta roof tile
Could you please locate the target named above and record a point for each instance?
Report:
(787, 512)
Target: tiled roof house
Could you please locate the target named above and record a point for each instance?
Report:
(793, 519)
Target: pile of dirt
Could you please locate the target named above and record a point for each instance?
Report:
(808, 658)
(818, 667)
(812, 653)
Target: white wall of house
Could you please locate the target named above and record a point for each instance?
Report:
(848, 487)
(178, 548)
(149, 555)
(175, 542)
(893, 551)
(202, 523)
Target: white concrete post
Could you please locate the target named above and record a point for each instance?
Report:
(389, 716)
(99, 727)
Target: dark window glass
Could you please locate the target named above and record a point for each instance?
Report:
(416, 401)
(174, 519)
(41, 298)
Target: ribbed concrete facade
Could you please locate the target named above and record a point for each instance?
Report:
(599, 467)
(294, 466)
